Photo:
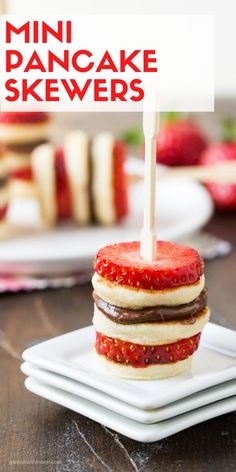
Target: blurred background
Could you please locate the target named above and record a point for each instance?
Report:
(184, 205)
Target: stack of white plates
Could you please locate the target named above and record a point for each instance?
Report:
(66, 371)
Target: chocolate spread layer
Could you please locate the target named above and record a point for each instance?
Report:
(25, 148)
(187, 312)
(3, 181)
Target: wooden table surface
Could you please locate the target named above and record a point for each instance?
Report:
(37, 435)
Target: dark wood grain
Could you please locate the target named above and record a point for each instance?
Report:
(43, 436)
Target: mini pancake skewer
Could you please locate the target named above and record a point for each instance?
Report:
(150, 276)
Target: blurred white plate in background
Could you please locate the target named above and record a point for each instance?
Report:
(183, 207)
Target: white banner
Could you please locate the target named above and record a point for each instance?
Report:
(107, 62)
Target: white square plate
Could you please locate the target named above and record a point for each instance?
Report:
(210, 395)
(130, 428)
(72, 355)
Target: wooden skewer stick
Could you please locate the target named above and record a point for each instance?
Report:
(222, 172)
(148, 233)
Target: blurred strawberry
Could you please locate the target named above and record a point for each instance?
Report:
(180, 141)
(224, 196)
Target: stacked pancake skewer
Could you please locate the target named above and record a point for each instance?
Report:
(150, 299)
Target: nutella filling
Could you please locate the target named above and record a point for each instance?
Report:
(25, 148)
(187, 312)
(3, 181)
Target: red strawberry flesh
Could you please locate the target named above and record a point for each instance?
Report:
(174, 266)
(224, 196)
(62, 187)
(3, 211)
(22, 174)
(23, 117)
(137, 355)
(120, 181)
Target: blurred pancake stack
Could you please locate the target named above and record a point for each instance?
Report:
(84, 181)
(20, 133)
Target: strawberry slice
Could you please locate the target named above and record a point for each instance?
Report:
(62, 187)
(224, 196)
(3, 211)
(174, 266)
(22, 174)
(120, 181)
(23, 117)
(138, 355)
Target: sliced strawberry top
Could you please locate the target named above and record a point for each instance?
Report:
(24, 117)
(120, 180)
(174, 266)
(62, 187)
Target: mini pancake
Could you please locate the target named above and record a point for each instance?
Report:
(21, 128)
(150, 333)
(134, 298)
(63, 179)
(43, 158)
(109, 184)
(77, 162)
(149, 373)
